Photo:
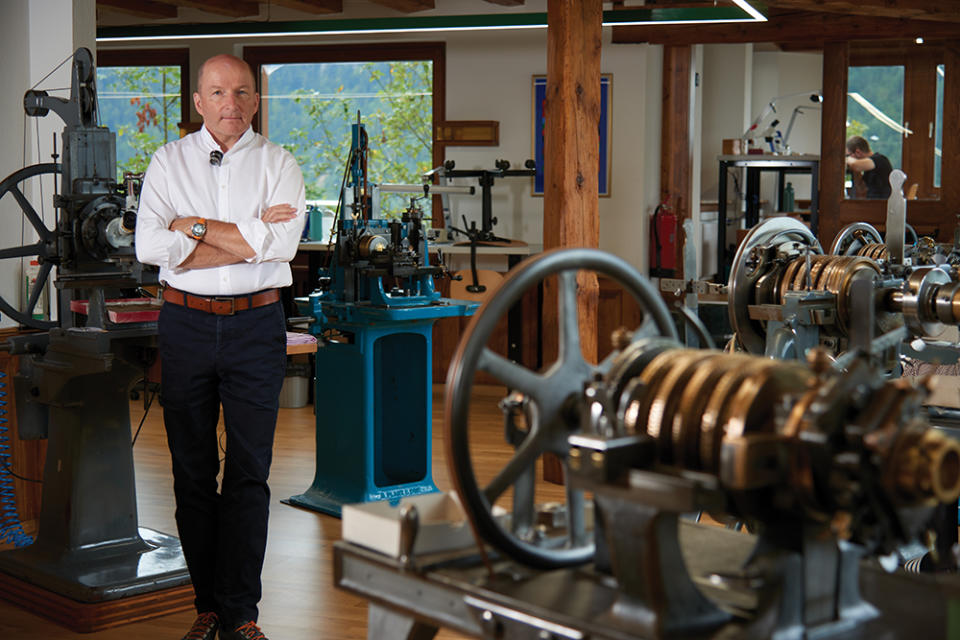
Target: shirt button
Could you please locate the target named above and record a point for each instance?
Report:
(223, 186)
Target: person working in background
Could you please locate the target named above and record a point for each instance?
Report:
(870, 169)
(221, 213)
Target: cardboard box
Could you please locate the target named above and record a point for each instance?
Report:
(732, 146)
(376, 525)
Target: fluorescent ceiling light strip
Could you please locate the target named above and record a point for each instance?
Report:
(753, 12)
(336, 32)
(690, 16)
(742, 12)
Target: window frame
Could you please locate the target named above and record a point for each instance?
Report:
(256, 57)
(919, 106)
(179, 57)
(926, 216)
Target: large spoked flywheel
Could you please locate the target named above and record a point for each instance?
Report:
(761, 244)
(853, 238)
(14, 189)
(540, 412)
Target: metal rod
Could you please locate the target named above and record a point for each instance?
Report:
(419, 188)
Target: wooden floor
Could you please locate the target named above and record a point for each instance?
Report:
(299, 600)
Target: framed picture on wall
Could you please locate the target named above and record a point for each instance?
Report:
(540, 123)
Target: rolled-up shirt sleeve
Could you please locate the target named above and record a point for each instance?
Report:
(155, 243)
(278, 241)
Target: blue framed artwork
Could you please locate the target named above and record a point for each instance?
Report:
(539, 127)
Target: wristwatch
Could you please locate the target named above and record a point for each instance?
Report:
(199, 229)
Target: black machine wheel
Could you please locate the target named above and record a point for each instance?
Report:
(44, 249)
(548, 405)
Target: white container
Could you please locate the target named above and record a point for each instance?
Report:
(293, 393)
(376, 525)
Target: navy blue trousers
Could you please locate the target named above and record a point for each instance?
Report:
(237, 362)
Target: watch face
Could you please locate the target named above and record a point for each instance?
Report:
(198, 230)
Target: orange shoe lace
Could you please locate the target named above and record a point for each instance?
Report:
(250, 631)
(202, 626)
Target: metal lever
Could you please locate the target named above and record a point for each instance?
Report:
(409, 526)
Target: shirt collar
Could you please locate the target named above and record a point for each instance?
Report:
(211, 144)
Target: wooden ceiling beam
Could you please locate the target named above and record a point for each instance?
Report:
(232, 8)
(139, 8)
(798, 27)
(942, 10)
(324, 7)
(406, 6)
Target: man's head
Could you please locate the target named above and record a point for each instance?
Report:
(858, 147)
(226, 98)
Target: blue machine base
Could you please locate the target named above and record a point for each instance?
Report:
(325, 502)
(374, 403)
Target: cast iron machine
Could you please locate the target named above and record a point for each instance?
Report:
(827, 466)
(74, 382)
(786, 296)
(374, 311)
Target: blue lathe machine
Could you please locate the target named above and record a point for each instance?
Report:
(374, 312)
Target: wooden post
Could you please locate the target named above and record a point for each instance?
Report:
(676, 157)
(571, 152)
(571, 165)
(833, 138)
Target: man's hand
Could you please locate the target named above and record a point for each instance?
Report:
(183, 225)
(279, 213)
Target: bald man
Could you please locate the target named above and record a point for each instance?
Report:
(221, 213)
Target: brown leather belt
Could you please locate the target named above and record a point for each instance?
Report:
(221, 305)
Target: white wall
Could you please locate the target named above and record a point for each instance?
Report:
(635, 190)
(35, 36)
(489, 77)
(738, 83)
(783, 74)
(727, 103)
(14, 72)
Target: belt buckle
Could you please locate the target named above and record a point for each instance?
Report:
(218, 301)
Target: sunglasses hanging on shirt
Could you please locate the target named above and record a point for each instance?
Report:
(215, 157)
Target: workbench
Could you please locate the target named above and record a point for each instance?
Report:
(755, 164)
(456, 591)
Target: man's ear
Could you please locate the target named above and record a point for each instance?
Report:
(196, 103)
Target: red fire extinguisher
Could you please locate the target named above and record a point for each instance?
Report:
(663, 242)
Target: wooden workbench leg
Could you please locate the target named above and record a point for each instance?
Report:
(386, 624)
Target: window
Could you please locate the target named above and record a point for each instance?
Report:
(310, 97)
(934, 211)
(310, 108)
(875, 109)
(143, 100)
(895, 101)
(938, 146)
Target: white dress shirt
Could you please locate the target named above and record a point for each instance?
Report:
(253, 175)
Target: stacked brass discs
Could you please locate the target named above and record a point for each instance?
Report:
(719, 413)
(834, 274)
(874, 251)
(690, 400)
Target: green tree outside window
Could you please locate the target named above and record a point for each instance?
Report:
(142, 105)
(311, 106)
